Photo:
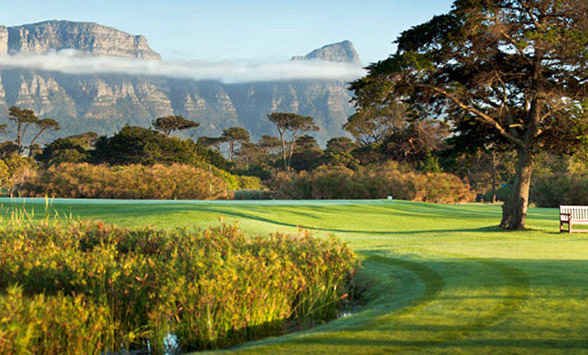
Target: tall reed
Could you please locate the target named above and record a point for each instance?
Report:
(210, 289)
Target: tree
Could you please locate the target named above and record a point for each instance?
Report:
(168, 124)
(269, 144)
(63, 150)
(294, 124)
(307, 153)
(234, 135)
(415, 142)
(23, 119)
(518, 67)
(139, 145)
(373, 122)
(206, 141)
(341, 145)
(43, 125)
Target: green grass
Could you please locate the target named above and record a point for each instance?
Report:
(443, 279)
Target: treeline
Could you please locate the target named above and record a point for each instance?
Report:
(389, 154)
(135, 163)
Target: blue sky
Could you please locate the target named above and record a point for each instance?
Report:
(261, 30)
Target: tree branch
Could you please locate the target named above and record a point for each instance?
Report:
(480, 115)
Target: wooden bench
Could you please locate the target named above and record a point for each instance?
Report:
(572, 215)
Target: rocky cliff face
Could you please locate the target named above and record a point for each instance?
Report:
(84, 36)
(104, 103)
(335, 52)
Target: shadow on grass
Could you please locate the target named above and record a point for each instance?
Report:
(342, 230)
(495, 328)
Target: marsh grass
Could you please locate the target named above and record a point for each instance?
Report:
(86, 287)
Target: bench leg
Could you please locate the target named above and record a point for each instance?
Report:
(570, 227)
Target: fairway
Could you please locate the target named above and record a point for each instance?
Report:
(443, 279)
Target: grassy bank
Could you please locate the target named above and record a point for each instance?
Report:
(443, 278)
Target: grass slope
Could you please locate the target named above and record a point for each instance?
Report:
(443, 278)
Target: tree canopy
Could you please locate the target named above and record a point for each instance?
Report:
(518, 68)
(234, 135)
(169, 124)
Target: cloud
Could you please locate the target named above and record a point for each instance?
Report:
(73, 62)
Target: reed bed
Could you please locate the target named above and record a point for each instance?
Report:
(86, 287)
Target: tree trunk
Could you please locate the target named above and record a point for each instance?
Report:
(493, 198)
(231, 147)
(514, 210)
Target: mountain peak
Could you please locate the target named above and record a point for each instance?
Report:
(334, 52)
(87, 37)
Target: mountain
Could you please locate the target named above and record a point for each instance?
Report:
(86, 37)
(104, 103)
(335, 52)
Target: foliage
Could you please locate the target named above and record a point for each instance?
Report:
(63, 150)
(91, 288)
(252, 195)
(415, 142)
(169, 124)
(14, 169)
(234, 135)
(53, 324)
(374, 182)
(306, 153)
(129, 182)
(138, 145)
(24, 118)
(372, 123)
(559, 189)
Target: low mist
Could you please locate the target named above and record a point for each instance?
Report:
(74, 62)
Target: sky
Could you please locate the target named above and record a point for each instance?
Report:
(255, 31)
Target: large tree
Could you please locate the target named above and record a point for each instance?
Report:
(23, 118)
(293, 125)
(518, 67)
(234, 135)
(43, 125)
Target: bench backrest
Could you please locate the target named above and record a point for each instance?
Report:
(576, 212)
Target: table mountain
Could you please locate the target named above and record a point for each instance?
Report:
(86, 37)
(335, 52)
(104, 103)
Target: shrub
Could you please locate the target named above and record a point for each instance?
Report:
(15, 169)
(91, 288)
(559, 189)
(375, 182)
(127, 182)
(252, 195)
(53, 324)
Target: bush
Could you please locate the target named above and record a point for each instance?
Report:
(138, 145)
(53, 324)
(14, 169)
(375, 182)
(559, 189)
(91, 288)
(252, 195)
(126, 182)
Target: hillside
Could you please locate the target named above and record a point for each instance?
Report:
(105, 102)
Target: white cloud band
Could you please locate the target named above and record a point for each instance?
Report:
(72, 62)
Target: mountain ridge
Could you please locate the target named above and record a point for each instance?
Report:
(343, 52)
(106, 102)
(88, 37)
